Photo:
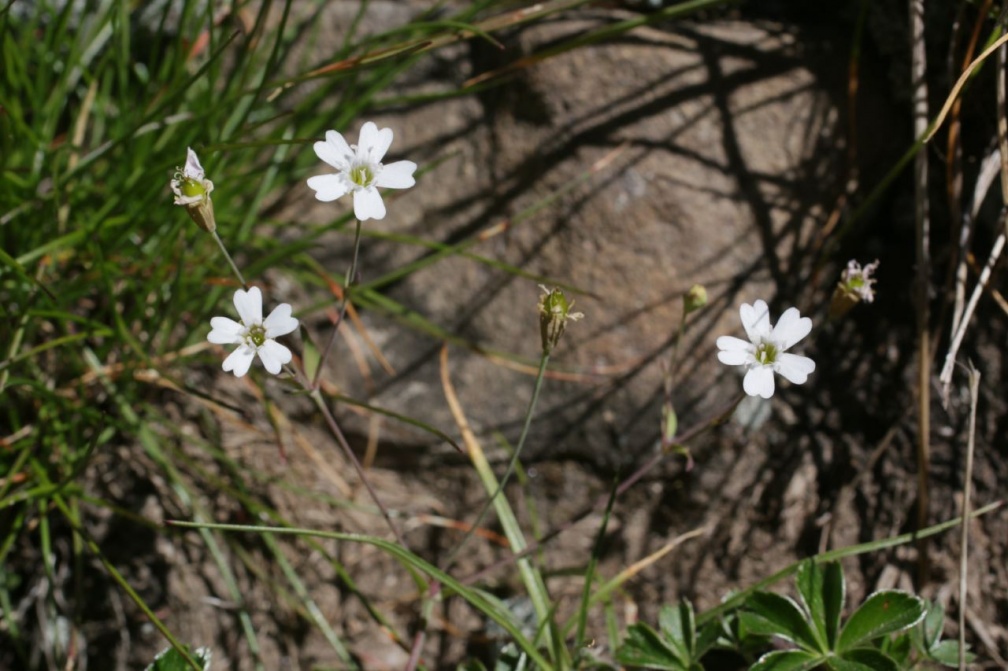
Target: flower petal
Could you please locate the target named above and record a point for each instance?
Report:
(193, 169)
(280, 322)
(755, 320)
(328, 187)
(735, 351)
(249, 306)
(731, 343)
(225, 331)
(274, 355)
(398, 175)
(794, 368)
(335, 151)
(735, 357)
(367, 204)
(759, 382)
(239, 361)
(373, 143)
(791, 328)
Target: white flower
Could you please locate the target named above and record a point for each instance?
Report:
(192, 191)
(253, 334)
(360, 170)
(765, 353)
(859, 281)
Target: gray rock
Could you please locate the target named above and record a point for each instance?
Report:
(713, 149)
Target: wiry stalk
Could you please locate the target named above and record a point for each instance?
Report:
(918, 77)
(974, 387)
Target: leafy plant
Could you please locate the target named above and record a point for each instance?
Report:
(926, 643)
(816, 629)
(676, 647)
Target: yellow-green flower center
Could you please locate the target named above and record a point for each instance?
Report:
(362, 175)
(766, 353)
(256, 335)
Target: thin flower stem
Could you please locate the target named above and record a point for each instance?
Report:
(669, 381)
(540, 376)
(348, 282)
(974, 388)
(918, 63)
(719, 416)
(234, 268)
(337, 433)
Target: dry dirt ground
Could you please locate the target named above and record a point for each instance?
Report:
(727, 144)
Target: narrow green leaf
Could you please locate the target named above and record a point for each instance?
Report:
(771, 614)
(644, 647)
(863, 659)
(310, 356)
(787, 660)
(883, 613)
(405, 419)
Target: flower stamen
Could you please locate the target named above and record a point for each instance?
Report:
(766, 353)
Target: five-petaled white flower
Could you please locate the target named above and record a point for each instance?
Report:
(360, 170)
(253, 334)
(765, 353)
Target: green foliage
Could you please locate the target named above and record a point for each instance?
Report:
(892, 630)
(676, 647)
(815, 625)
(925, 640)
(171, 659)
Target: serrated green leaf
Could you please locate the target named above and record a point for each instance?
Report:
(678, 629)
(883, 613)
(946, 653)
(862, 659)
(787, 660)
(771, 614)
(644, 647)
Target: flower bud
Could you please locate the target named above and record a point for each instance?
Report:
(554, 311)
(694, 299)
(855, 287)
(192, 191)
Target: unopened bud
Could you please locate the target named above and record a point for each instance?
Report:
(192, 191)
(694, 299)
(554, 312)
